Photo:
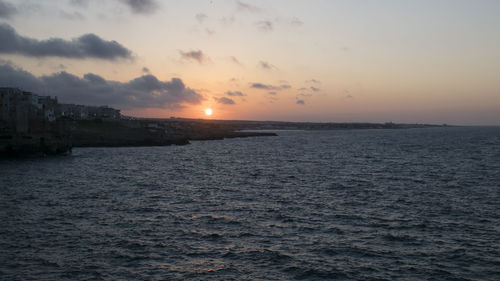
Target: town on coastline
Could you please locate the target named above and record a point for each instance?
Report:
(34, 124)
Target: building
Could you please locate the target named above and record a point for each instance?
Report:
(83, 112)
(24, 112)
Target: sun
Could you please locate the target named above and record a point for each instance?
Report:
(208, 112)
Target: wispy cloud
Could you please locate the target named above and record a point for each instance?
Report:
(225, 100)
(145, 70)
(296, 22)
(7, 10)
(71, 16)
(244, 7)
(314, 89)
(313, 81)
(265, 25)
(304, 95)
(141, 6)
(227, 20)
(266, 65)
(235, 60)
(301, 102)
(201, 17)
(142, 92)
(272, 93)
(198, 56)
(235, 94)
(269, 87)
(85, 46)
(80, 3)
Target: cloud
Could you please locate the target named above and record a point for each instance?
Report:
(266, 65)
(301, 102)
(7, 10)
(85, 46)
(198, 56)
(262, 86)
(145, 70)
(314, 89)
(81, 3)
(71, 16)
(272, 93)
(142, 92)
(243, 7)
(225, 100)
(269, 87)
(313, 81)
(235, 94)
(227, 21)
(296, 22)
(304, 95)
(209, 31)
(265, 25)
(141, 6)
(201, 17)
(235, 60)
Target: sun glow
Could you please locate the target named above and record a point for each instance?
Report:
(208, 112)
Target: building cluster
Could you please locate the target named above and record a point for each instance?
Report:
(25, 112)
(84, 112)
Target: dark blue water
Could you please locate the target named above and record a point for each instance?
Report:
(365, 204)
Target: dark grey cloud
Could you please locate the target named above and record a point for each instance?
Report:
(235, 94)
(244, 7)
(265, 25)
(201, 17)
(85, 46)
(142, 92)
(141, 6)
(301, 102)
(145, 70)
(198, 56)
(269, 87)
(225, 100)
(7, 10)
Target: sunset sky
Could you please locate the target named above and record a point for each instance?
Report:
(318, 60)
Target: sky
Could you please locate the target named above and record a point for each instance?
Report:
(403, 61)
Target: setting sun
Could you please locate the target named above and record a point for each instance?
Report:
(208, 111)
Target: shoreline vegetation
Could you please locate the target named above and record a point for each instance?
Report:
(31, 124)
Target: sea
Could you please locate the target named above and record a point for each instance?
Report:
(405, 204)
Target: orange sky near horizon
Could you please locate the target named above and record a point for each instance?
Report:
(324, 61)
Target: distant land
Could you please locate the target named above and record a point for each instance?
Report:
(33, 124)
